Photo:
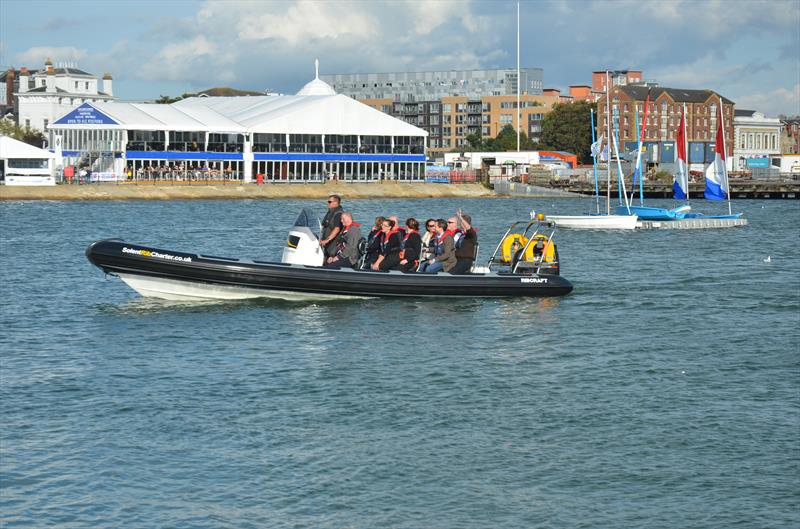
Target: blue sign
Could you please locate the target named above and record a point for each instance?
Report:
(86, 114)
(761, 163)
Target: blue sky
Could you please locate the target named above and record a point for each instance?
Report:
(748, 51)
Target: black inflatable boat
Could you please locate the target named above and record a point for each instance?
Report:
(174, 275)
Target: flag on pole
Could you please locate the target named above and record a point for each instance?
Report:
(716, 175)
(681, 185)
(597, 147)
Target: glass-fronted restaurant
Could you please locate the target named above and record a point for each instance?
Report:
(272, 138)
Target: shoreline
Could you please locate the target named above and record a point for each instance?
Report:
(242, 191)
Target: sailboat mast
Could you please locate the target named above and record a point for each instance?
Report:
(519, 82)
(608, 158)
(725, 155)
(686, 151)
(594, 165)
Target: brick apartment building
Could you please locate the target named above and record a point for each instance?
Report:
(666, 106)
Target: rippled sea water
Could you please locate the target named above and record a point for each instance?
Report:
(663, 392)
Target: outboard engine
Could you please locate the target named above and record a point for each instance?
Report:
(302, 246)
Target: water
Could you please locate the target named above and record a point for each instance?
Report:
(664, 392)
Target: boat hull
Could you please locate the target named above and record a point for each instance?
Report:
(174, 275)
(595, 222)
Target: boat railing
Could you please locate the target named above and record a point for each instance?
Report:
(539, 226)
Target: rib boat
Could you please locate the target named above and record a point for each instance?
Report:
(177, 275)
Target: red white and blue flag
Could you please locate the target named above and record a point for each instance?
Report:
(716, 173)
(681, 185)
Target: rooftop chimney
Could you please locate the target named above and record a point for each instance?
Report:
(51, 76)
(10, 74)
(24, 77)
(107, 84)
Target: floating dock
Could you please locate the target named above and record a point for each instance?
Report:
(689, 224)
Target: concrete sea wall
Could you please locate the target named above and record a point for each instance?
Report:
(250, 191)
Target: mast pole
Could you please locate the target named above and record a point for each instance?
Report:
(686, 150)
(608, 161)
(519, 81)
(594, 164)
(725, 154)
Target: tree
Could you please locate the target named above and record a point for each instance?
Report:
(568, 128)
(29, 135)
(476, 143)
(506, 140)
(167, 100)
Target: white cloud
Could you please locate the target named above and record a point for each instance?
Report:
(309, 21)
(35, 57)
(774, 102)
(197, 59)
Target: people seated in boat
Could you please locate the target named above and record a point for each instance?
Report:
(390, 246)
(411, 247)
(347, 252)
(374, 242)
(331, 225)
(428, 241)
(466, 244)
(400, 228)
(445, 258)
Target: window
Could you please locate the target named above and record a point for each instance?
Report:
(446, 107)
(506, 119)
(27, 163)
(87, 85)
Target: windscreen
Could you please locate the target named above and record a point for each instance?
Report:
(309, 220)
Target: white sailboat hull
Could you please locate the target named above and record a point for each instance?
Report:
(595, 222)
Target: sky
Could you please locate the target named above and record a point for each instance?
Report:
(748, 51)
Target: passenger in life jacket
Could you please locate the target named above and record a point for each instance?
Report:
(390, 245)
(428, 241)
(445, 258)
(374, 242)
(411, 247)
(400, 228)
(466, 245)
(347, 253)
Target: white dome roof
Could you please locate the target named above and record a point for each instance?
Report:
(317, 87)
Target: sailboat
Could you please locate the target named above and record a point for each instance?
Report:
(599, 221)
(716, 177)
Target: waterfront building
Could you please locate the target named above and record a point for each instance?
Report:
(50, 92)
(451, 105)
(25, 165)
(9, 85)
(310, 136)
(430, 86)
(663, 119)
(790, 139)
(756, 140)
(603, 79)
(451, 119)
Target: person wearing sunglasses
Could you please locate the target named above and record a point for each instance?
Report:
(445, 258)
(331, 225)
(428, 241)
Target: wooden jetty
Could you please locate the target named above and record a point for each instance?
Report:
(740, 188)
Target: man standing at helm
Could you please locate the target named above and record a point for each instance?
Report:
(331, 225)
